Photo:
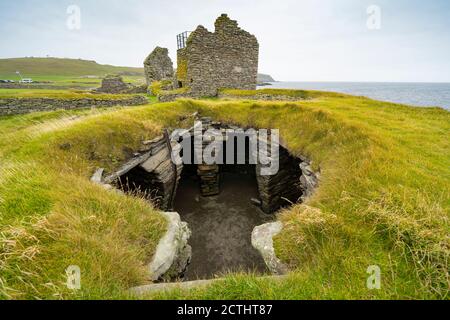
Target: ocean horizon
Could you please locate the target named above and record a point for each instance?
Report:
(411, 93)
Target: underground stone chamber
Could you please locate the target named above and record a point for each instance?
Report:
(221, 203)
(139, 182)
(221, 224)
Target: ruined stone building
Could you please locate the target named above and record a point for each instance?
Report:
(208, 61)
(226, 58)
(114, 84)
(158, 66)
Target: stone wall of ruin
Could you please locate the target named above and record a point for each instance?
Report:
(14, 106)
(158, 65)
(227, 58)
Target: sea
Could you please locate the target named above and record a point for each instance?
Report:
(416, 94)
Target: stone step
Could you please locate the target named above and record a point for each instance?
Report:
(142, 291)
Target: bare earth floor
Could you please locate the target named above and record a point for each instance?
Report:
(221, 226)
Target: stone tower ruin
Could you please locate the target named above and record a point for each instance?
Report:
(208, 61)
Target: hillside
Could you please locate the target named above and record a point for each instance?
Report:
(30, 67)
(265, 78)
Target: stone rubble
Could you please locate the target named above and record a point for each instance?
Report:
(14, 106)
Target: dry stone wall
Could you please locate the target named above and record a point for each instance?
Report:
(283, 188)
(165, 172)
(261, 96)
(16, 106)
(44, 86)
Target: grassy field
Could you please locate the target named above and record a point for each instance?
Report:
(383, 200)
(73, 82)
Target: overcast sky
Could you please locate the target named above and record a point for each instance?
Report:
(304, 40)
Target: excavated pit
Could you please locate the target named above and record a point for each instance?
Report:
(221, 225)
(222, 216)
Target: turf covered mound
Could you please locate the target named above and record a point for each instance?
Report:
(382, 200)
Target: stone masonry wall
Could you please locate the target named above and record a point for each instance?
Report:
(260, 96)
(158, 65)
(282, 189)
(22, 106)
(227, 58)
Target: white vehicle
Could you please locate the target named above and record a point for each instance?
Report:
(26, 81)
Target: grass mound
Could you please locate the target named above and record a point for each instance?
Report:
(305, 229)
(300, 94)
(383, 200)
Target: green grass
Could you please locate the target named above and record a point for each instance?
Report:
(156, 88)
(52, 216)
(383, 200)
(57, 94)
